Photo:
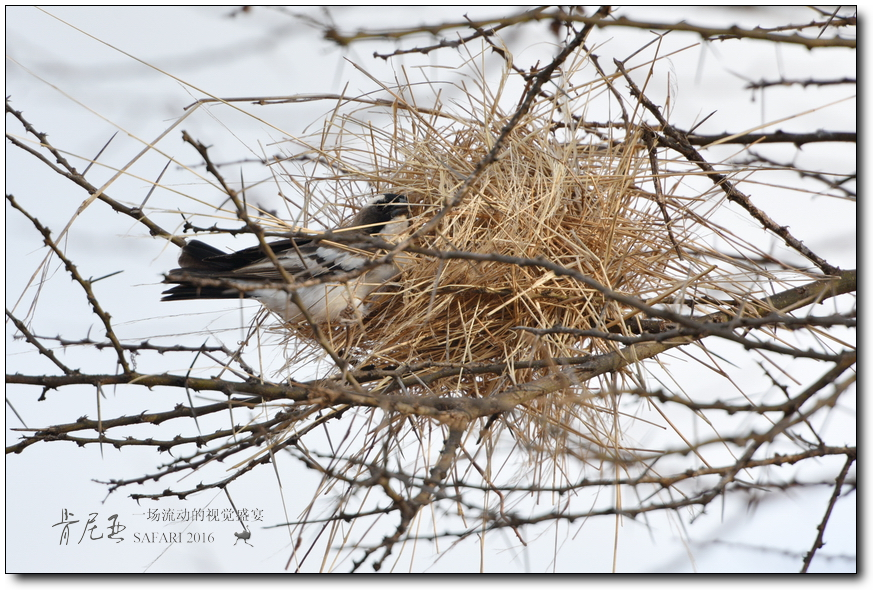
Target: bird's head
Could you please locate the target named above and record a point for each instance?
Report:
(386, 214)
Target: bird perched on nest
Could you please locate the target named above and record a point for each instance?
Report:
(302, 258)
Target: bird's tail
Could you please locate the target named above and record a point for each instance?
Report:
(200, 260)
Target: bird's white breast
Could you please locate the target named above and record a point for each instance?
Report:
(328, 301)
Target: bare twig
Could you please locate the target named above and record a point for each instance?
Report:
(68, 171)
(84, 283)
(838, 486)
(708, 33)
(679, 142)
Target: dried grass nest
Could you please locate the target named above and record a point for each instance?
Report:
(550, 194)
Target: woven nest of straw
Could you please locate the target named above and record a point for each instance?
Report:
(552, 194)
(558, 191)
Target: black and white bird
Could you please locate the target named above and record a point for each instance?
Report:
(302, 258)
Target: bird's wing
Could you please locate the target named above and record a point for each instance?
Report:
(307, 261)
(301, 258)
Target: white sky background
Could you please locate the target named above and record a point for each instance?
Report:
(80, 91)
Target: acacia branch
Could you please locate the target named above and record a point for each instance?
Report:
(798, 139)
(410, 508)
(819, 539)
(84, 283)
(34, 340)
(68, 171)
(323, 392)
(679, 142)
(706, 33)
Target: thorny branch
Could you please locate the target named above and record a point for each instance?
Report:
(708, 33)
(676, 140)
(84, 283)
(68, 171)
(819, 543)
(333, 392)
